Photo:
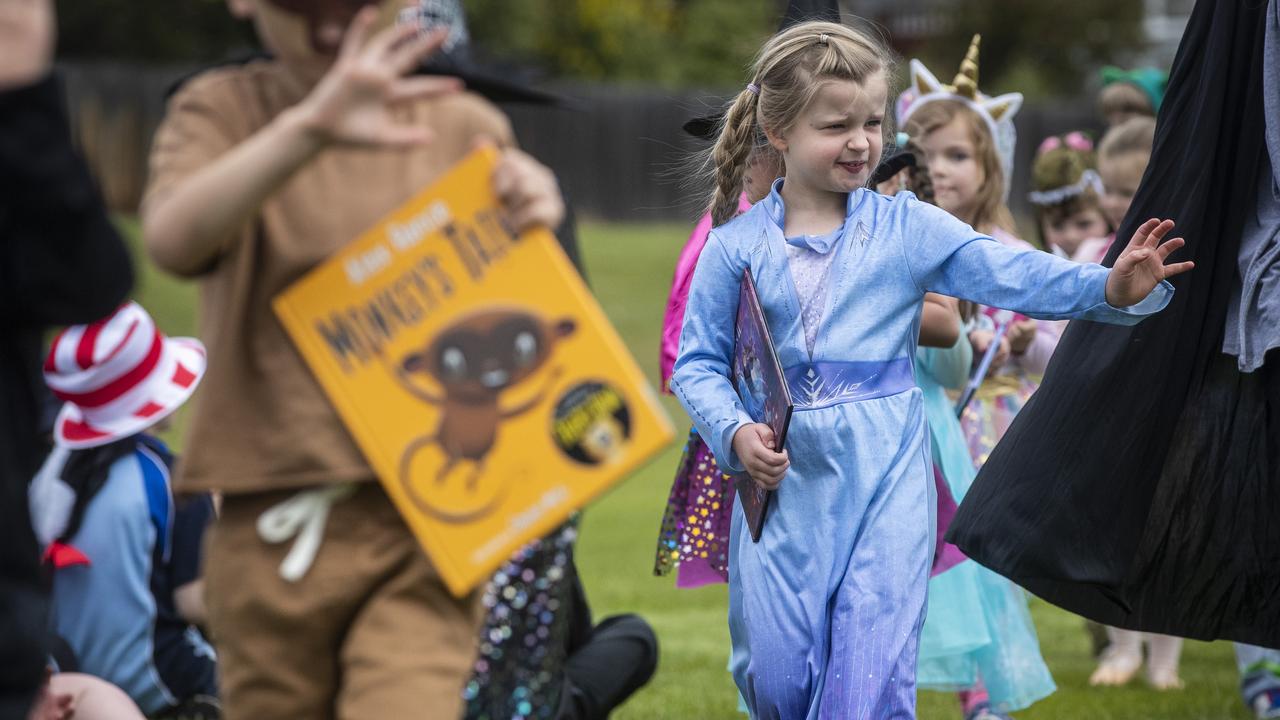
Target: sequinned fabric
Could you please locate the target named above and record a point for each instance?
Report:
(695, 526)
(524, 642)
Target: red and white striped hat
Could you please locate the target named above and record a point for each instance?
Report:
(119, 376)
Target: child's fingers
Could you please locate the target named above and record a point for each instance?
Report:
(388, 37)
(528, 201)
(769, 477)
(406, 56)
(1143, 231)
(768, 483)
(1178, 268)
(1169, 246)
(482, 140)
(509, 181)
(1139, 256)
(538, 213)
(357, 32)
(773, 459)
(1158, 233)
(416, 88)
(766, 434)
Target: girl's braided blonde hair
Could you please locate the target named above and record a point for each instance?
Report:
(786, 76)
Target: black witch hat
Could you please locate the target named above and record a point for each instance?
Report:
(797, 11)
(455, 60)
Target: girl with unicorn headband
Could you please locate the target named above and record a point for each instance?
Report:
(978, 637)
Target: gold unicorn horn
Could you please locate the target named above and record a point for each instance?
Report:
(966, 82)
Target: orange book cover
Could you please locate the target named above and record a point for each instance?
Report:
(479, 376)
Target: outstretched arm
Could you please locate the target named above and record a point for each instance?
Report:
(956, 260)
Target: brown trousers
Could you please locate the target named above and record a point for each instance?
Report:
(369, 633)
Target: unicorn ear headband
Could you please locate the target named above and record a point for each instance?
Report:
(996, 112)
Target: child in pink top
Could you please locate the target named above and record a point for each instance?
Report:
(694, 535)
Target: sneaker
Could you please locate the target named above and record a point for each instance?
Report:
(983, 711)
(1266, 704)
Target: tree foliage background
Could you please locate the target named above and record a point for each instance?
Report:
(1045, 47)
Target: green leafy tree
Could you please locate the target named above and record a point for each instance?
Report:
(667, 42)
(1042, 48)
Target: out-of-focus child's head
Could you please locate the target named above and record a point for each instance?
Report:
(967, 138)
(1067, 193)
(1122, 159)
(307, 33)
(1131, 93)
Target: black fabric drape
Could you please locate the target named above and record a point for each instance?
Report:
(61, 262)
(1140, 485)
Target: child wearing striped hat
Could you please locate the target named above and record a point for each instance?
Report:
(125, 552)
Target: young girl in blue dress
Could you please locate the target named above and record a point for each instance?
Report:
(978, 638)
(825, 610)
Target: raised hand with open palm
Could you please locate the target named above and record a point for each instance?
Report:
(1142, 265)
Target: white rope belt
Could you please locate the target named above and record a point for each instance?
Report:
(304, 515)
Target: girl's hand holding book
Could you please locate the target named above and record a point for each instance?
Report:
(1141, 266)
(754, 445)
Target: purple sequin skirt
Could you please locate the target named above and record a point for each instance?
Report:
(694, 537)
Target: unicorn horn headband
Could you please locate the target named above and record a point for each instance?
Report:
(996, 112)
(966, 82)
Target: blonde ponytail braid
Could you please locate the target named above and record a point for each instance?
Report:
(730, 153)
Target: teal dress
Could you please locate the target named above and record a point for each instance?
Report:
(977, 626)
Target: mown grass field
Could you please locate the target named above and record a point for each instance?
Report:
(630, 269)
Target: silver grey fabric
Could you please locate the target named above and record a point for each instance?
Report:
(1253, 317)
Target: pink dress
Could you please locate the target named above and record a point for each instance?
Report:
(1094, 250)
(694, 536)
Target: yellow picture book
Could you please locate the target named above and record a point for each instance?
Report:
(477, 373)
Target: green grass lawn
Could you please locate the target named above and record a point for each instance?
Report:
(630, 269)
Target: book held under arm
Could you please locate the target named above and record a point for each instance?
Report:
(762, 387)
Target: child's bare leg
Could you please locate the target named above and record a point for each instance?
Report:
(1162, 662)
(1121, 660)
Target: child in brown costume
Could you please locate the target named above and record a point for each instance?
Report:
(321, 601)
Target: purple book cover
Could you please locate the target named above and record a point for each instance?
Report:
(758, 378)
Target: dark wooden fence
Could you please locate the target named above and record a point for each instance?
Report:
(619, 152)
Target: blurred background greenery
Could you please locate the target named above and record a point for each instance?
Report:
(1046, 48)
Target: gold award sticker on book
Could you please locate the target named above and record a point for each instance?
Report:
(479, 376)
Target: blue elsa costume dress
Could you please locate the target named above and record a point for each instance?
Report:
(825, 611)
(977, 626)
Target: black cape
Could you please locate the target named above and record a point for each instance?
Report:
(1140, 485)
